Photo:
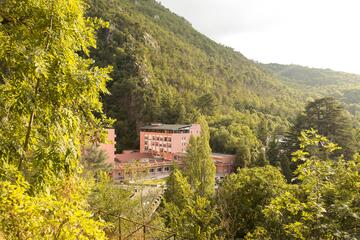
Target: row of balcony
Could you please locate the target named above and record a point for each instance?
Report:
(157, 138)
(157, 144)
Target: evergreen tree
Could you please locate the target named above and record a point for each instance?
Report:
(199, 166)
(330, 118)
(207, 104)
(94, 160)
(243, 156)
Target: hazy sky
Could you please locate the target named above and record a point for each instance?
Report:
(315, 33)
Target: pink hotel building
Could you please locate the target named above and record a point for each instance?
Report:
(161, 146)
(165, 140)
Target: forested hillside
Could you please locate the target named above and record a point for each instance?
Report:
(316, 83)
(55, 179)
(165, 71)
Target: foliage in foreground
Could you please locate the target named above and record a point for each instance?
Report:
(258, 203)
(243, 196)
(186, 212)
(323, 205)
(59, 213)
(188, 206)
(49, 107)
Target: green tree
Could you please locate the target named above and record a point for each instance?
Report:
(58, 213)
(207, 104)
(199, 166)
(189, 215)
(324, 204)
(178, 190)
(243, 156)
(242, 197)
(330, 118)
(49, 107)
(263, 132)
(51, 88)
(94, 160)
(109, 201)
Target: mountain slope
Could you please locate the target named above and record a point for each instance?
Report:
(165, 71)
(316, 83)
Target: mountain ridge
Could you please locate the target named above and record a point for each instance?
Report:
(166, 71)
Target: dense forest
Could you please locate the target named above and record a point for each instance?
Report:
(69, 69)
(166, 71)
(317, 83)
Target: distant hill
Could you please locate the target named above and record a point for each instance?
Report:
(316, 83)
(166, 71)
(312, 77)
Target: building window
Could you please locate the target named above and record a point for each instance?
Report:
(166, 169)
(152, 170)
(159, 169)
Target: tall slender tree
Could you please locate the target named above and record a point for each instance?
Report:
(189, 215)
(199, 166)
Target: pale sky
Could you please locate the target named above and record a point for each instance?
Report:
(314, 33)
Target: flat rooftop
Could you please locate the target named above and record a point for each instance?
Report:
(171, 127)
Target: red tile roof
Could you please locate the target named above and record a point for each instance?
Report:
(130, 156)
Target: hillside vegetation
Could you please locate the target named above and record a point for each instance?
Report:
(54, 178)
(165, 71)
(316, 83)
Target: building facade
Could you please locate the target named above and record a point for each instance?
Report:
(109, 146)
(162, 146)
(166, 140)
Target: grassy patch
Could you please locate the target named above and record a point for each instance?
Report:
(161, 181)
